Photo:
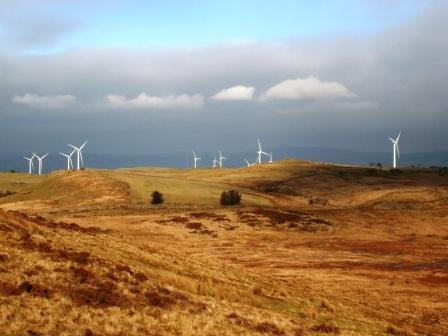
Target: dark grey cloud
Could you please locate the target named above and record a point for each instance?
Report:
(394, 81)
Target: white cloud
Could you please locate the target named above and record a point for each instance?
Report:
(145, 101)
(307, 88)
(238, 92)
(44, 102)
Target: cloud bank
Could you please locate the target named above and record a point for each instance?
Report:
(238, 92)
(44, 102)
(145, 101)
(347, 91)
(307, 88)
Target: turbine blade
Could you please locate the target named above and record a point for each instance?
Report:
(398, 137)
(398, 151)
(74, 147)
(82, 146)
(80, 156)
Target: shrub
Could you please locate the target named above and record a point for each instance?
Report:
(396, 171)
(379, 165)
(157, 197)
(231, 197)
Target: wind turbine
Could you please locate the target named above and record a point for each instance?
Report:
(220, 159)
(30, 164)
(260, 152)
(270, 158)
(248, 163)
(214, 161)
(69, 158)
(40, 161)
(195, 158)
(79, 154)
(396, 150)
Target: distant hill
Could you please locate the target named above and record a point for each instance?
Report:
(54, 161)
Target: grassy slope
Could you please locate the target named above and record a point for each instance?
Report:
(61, 279)
(295, 296)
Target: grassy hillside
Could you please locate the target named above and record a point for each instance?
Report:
(313, 249)
(63, 279)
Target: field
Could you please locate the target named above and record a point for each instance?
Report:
(314, 249)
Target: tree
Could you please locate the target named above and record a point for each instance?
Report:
(157, 197)
(231, 197)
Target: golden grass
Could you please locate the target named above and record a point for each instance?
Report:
(314, 249)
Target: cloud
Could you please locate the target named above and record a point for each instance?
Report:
(44, 102)
(238, 92)
(145, 101)
(307, 88)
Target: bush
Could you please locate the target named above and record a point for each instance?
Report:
(231, 197)
(157, 197)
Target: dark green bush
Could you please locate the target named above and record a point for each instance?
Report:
(231, 197)
(157, 197)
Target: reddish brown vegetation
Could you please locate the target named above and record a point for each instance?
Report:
(326, 328)
(37, 290)
(283, 220)
(441, 280)
(194, 226)
(211, 216)
(164, 298)
(262, 327)
(97, 294)
(56, 225)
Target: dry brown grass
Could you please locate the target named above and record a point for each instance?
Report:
(317, 249)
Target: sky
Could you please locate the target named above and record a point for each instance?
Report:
(149, 77)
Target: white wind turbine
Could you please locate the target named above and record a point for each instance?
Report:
(30, 163)
(396, 150)
(40, 158)
(214, 161)
(270, 158)
(248, 163)
(196, 159)
(69, 159)
(79, 154)
(220, 159)
(260, 152)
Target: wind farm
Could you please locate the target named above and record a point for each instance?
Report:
(204, 168)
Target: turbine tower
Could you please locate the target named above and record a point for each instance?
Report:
(196, 159)
(30, 164)
(396, 151)
(214, 161)
(79, 154)
(69, 159)
(220, 159)
(260, 152)
(270, 158)
(40, 161)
